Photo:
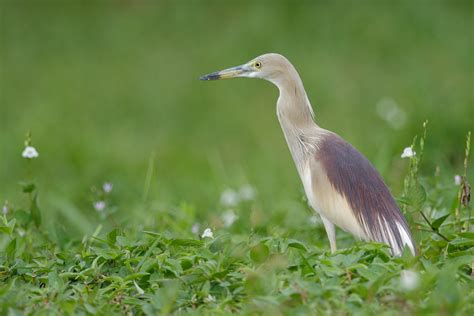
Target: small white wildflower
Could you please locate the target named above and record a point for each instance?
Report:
(21, 232)
(207, 233)
(107, 187)
(195, 228)
(99, 206)
(247, 193)
(5, 208)
(229, 198)
(315, 219)
(389, 111)
(139, 289)
(408, 153)
(457, 179)
(30, 152)
(229, 218)
(209, 299)
(409, 280)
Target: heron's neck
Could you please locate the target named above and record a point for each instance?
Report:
(293, 106)
(296, 118)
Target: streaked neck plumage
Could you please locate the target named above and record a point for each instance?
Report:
(296, 117)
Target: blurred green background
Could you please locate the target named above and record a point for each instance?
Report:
(106, 87)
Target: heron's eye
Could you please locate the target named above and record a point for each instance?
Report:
(258, 65)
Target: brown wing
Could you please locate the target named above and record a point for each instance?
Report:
(354, 177)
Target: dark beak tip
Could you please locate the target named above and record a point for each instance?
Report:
(210, 77)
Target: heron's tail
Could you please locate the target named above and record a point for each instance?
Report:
(393, 232)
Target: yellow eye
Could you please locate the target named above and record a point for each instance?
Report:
(258, 65)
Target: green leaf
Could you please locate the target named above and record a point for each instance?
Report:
(135, 276)
(367, 273)
(112, 236)
(460, 243)
(205, 288)
(11, 249)
(28, 187)
(186, 242)
(259, 253)
(147, 254)
(35, 211)
(468, 235)
(55, 281)
(152, 233)
(124, 241)
(417, 197)
(7, 227)
(90, 309)
(23, 217)
(293, 243)
(439, 221)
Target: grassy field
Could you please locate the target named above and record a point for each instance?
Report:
(137, 157)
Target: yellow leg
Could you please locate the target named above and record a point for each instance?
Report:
(331, 232)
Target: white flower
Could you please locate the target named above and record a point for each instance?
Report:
(409, 280)
(107, 187)
(247, 193)
(408, 153)
(389, 111)
(457, 179)
(99, 206)
(5, 208)
(229, 218)
(229, 198)
(209, 299)
(315, 219)
(195, 228)
(29, 152)
(207, 233)
(139, 289)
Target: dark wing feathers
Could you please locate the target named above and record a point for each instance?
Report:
(354, 177)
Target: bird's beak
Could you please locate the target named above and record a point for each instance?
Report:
(234, 72)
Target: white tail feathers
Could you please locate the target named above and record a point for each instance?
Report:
(393, 234)
(406, 241)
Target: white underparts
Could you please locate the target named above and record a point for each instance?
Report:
(323, 198)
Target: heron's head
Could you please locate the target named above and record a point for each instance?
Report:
(268, 66)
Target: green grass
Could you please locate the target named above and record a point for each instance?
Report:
(252, 266)
(110, 93)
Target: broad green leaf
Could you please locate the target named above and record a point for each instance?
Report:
(55, 281)
(23, 217)
(259, 253)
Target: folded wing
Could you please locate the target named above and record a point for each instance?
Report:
(368, 198)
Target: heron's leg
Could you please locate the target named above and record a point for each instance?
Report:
(331, 231)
